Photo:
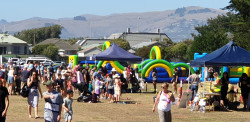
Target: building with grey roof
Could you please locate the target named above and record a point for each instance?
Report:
(12, 45)
(91, 51)
(88, 41)
(139, 37)
(64, 47)
(148, 44)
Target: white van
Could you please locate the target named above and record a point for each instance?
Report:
(14, 60)
(41, 60)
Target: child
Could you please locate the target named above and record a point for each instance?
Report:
(117, 86)
(110, 88)
(90, 87)
(97, 86)
(69, 85)
(59, 84)
(67, 105)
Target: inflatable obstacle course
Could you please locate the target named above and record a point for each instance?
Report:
(165, 69)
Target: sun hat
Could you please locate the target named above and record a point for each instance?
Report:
(116, 76)
(113, 70)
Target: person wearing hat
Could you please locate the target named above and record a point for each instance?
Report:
(117, 83)
(113, 72)
(53, 103)
(67, 105)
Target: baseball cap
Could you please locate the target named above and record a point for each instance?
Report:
(49, 82)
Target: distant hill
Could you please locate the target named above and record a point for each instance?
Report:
(177, 24)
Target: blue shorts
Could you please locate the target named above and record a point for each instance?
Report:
(111, 91)
(10, 79)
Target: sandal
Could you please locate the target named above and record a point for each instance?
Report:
(37, 117)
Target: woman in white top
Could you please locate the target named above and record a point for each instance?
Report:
(205, 73)
(163, 100)
(125, 74)
(10, 80)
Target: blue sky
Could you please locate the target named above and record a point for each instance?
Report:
(14, 10)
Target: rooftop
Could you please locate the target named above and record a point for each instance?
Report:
(60, 43)
(6, 38)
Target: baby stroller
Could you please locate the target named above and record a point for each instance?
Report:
(135, 85)
(85, 94)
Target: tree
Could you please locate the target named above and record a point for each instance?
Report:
(143, 52)
(38, 49)
(39, 34)
(121, 43)
(168, 42)
(51, 52)
(177, 51)
(240, 7)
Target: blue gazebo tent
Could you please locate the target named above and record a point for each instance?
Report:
(228, 55)
(116, 53)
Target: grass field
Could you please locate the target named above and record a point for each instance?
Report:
(105, 112)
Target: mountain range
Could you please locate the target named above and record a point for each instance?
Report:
(178, 24)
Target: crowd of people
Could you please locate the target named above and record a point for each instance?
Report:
(63, 81)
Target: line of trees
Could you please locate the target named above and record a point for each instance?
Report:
(38, 35)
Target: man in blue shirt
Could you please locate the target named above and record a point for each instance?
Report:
(53, 103)
(25, 75)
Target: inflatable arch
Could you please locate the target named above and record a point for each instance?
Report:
(155, 53)
(157, 63)
(185, 66)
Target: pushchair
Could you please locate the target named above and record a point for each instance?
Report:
(85, 94)
(135, 85)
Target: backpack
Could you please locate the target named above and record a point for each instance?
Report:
(25, 91)
(94, 98)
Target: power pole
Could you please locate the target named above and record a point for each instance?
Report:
(34, 43)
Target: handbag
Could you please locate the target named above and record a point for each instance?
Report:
(25, 91)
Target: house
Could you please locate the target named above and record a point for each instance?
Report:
(64, 47)
(12, 45)
(91, 51)
(139, 37)
(89, 41)
(148, 44)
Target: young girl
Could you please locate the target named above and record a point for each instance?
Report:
(118, 84)
(69, 85)
(10, 80)
(97, 87)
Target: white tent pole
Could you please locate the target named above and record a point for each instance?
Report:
(188, 76)
(204, 81)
